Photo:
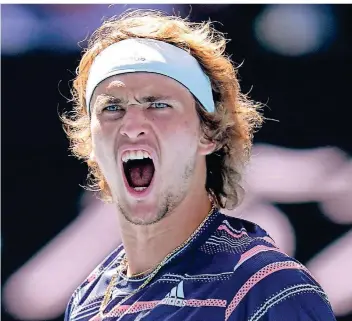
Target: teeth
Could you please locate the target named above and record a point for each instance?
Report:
(134, 154)
(139, 189)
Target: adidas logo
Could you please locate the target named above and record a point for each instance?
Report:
(175, 297)
(135, 56)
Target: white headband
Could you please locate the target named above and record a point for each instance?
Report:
(148, 55)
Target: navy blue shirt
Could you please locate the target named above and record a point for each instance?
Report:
(231, 270)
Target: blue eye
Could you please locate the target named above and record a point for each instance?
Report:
(159, 105)
(112, 108)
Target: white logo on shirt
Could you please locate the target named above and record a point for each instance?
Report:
(175, 297)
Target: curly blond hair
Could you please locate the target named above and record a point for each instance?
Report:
(231, 126)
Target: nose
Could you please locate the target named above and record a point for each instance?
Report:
(134, 123)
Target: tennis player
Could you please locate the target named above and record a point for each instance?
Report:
(160, 119)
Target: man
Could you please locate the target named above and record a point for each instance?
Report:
(160, 120)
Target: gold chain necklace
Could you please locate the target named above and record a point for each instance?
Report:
(124, 267)
(109, 289)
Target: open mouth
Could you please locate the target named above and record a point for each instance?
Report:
(139, 169)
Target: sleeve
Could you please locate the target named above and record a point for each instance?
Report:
(281, 291)
(296, 303)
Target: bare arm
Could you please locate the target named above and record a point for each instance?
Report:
(42, 287)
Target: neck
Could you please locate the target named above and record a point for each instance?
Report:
(147, 245)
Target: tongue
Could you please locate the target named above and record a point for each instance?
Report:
(141, 175)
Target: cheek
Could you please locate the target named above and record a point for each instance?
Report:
(180, 124)
(189, 132)
(182, 137)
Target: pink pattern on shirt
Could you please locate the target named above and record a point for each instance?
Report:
(255, 278)
(255, 250)
(236, 236)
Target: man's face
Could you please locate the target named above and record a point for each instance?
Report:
(147, 141)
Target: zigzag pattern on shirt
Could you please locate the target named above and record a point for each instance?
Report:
(228, 239)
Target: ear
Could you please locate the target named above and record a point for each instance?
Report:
(206, 146)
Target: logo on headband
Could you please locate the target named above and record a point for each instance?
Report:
(135, 57)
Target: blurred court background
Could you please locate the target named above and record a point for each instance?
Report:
(296, 58)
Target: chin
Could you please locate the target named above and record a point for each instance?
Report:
(142, 218)
(141, 214)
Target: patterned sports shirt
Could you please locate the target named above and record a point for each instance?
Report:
(230, 271)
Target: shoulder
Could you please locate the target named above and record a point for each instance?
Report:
(238, 239)
(91, 288)
(266, 283)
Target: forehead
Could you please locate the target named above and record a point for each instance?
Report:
(142, 82)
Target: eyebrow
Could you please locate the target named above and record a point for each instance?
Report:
(109, 99)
